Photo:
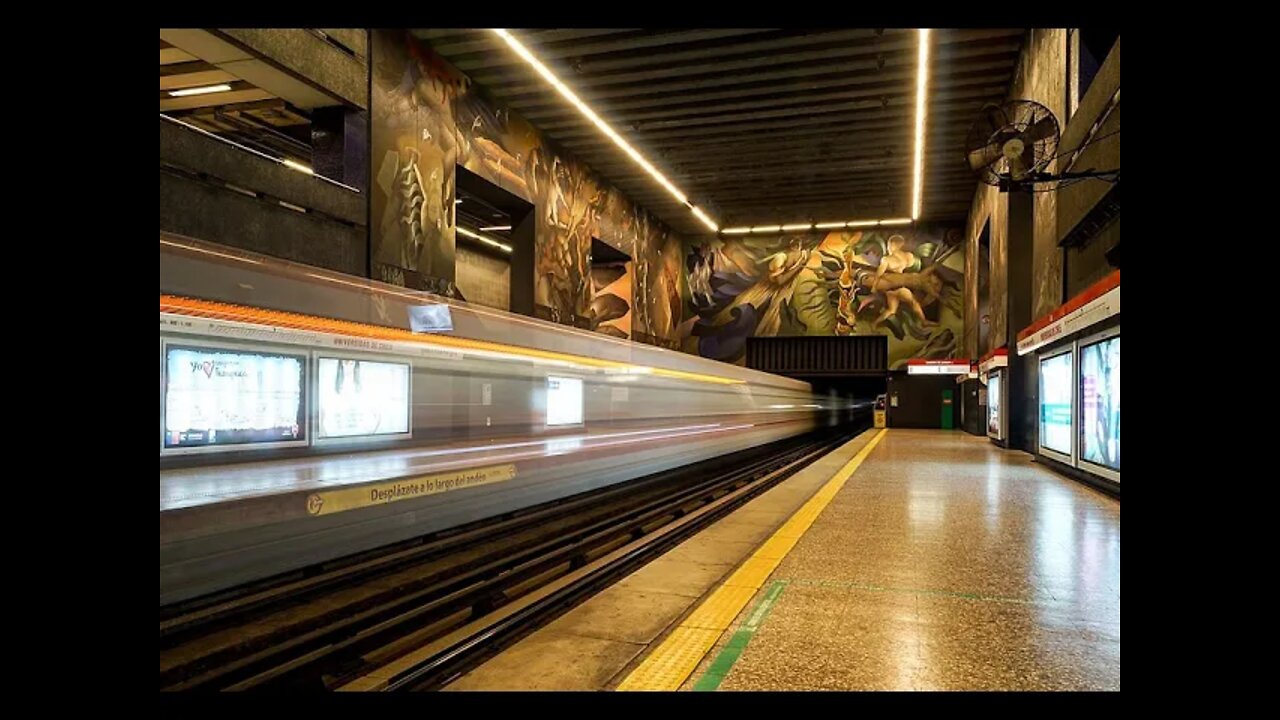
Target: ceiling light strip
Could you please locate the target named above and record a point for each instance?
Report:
(609, 132)
(922, 86)
(205, 90)
(283, 161)
(795, 227)
(917, 168)
(488, 241)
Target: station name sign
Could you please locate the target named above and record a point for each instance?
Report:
(1090, 307)
(997, 358)
(938, 367)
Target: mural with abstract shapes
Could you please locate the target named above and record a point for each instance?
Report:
(420, 101)
(907, 284)
(415, 149)
(611, 300)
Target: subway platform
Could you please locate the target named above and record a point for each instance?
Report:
(904, 560)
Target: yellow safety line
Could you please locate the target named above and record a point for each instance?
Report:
(667, 667)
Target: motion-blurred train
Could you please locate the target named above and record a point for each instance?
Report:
(306, 414)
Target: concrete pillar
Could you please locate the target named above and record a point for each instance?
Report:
(340, 145)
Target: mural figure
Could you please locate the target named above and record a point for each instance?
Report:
(701, 264)
(413, 133)
(887, 277)
(897, 259)
(412, 207)
(784, 265)
(611, 305)
(906, 285)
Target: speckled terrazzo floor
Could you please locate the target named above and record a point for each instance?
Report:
(591, 646)
(944, 563)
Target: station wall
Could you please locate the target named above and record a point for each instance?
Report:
(703, 295)
(1043, 75)
(427, 118)
(821, 283)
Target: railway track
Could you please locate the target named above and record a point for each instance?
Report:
(435, 607)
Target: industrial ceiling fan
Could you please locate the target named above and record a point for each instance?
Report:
(1011, 144)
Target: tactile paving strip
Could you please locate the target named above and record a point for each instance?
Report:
(671, 663)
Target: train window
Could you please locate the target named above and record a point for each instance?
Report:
(564, 401)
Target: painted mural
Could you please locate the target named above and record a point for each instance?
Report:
(415, 148)
(611, 302)
(907, 284)
(428, 118)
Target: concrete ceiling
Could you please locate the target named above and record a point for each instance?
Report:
(757, 125)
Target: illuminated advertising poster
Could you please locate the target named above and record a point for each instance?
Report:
(1055, 403)
(564, 401)
(1100, 403)
(993, 406)
(360, 398)
(225, 397)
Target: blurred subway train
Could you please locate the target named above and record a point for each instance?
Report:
(307, 415)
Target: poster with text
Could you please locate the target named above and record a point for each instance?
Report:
(360, 398)
(1055, 403)
(993, 407)
(227, 397)
(1100, 403)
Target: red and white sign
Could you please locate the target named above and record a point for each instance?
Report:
(938, 367)
(1088, 308)
(997, 358)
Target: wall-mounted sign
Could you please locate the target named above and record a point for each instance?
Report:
(1056, 403)
(432, 318)
(938, 367)
(1100, 400)
(351, 498)
(997, 358)
(995, 420)
(362, 398)
(1099, 302)
(216, 397)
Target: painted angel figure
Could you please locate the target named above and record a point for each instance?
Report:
(784, 264)
(701, 265)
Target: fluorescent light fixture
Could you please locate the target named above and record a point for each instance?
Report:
(488, 241)
(922, 85)
(697, 212)
(298, 166)
(917, 167)
(601, 125)
(493, 228)
(457, 202)
(819, 226)
(203, 90)
(917, 186)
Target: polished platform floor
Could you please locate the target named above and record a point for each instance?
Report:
(940, 562)
(944, 563)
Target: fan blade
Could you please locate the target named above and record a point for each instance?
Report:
(997, 116)
(984, 156)
(1044, 129)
